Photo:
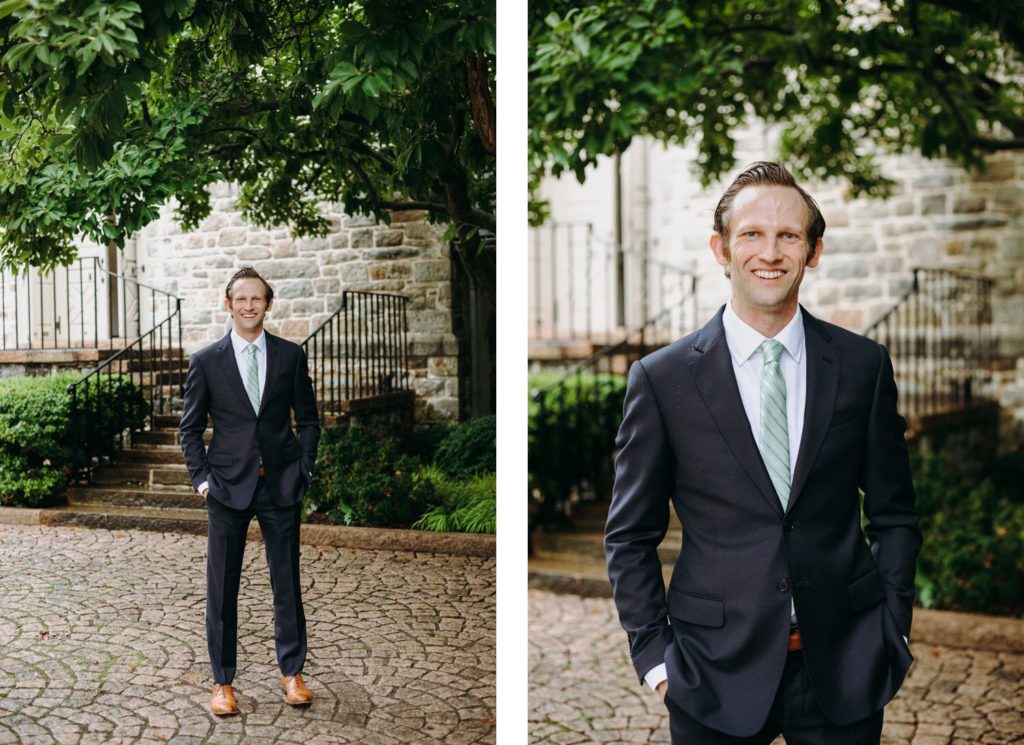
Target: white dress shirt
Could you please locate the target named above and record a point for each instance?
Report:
(747, 360)
(242, 360)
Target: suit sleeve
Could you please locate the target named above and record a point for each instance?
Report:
(889, 498)
(307, 420)
(194, 416)
(638, 519)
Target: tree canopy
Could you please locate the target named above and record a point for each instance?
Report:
(110, 109)
(844, 80)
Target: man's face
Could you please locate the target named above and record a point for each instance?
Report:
(247, 304)
(766, 253)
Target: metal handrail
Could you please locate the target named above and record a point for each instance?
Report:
(159, 375)
(39, 312)
(360, 351)
(559, 479)
(579, 282)
(940, 337)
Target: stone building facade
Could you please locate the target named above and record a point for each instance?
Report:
(940, 216)
(407, 257)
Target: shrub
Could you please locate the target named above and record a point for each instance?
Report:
(365, 480)
(572, 435)
(466, 506)
(468, 449)
(38, 451)
(973, 527)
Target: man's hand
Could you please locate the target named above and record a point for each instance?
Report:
(205, 491)
(663, 688)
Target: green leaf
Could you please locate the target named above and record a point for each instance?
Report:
(7, 7)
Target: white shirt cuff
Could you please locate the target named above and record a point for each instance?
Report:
(656, 676)
(202, 486)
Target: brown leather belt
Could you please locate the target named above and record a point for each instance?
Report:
(263, 471)
(795, 645)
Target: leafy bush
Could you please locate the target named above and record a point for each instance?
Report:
(973, 526)
(38, 446)
(466, 506)
(364, 480)
(572, 430)
(468, 449)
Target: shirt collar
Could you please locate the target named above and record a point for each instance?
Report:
(240, 344)
(743, 340)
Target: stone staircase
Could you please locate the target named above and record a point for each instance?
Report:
(572, 559)
(148, 488)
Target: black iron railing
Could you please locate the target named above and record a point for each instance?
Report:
(940, 338)
(80, 306)
(119, 398)
(584, 287)
(361, 351)
(574, 420)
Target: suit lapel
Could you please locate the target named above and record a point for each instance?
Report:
(226, 358)
(823, 364)
(711, 366)
(273, 367)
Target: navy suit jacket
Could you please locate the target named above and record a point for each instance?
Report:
(241, 437)
(723, 625)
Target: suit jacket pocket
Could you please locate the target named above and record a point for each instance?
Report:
(696, 609)
(866, 591)
(219, 459)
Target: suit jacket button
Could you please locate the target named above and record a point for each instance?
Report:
(783, 585)
(789, 526)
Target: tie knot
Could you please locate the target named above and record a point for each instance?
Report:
(252, 349)
(772, 350)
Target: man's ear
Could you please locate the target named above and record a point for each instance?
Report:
(719, 249)
(270, 304)
(815, 257)
(227, 307)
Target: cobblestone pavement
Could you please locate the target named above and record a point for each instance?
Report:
(102, 641)
(583, 688)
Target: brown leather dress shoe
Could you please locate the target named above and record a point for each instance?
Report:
(222, 700)
(295, 691)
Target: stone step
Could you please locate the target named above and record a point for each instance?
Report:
(588, 546)
(156, 437)
(150, 456)
(164, 498)
(123, 476)
(586, 578)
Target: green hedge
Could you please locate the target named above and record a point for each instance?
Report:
(973, 525)
(38, 451)
(441, 478)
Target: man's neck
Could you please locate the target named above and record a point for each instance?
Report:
(766, 323)
(249, 336)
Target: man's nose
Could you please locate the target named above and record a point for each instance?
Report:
(772, 250)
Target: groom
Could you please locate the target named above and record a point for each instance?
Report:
(248, 384)
(765, 430)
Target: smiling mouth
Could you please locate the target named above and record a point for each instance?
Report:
(768, 274)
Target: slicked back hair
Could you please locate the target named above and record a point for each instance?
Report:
(767, 173)
(247, 272)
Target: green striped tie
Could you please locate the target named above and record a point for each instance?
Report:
(774, 429)
(252, 378)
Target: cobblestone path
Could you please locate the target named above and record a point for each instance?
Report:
(583, 688)
(102, 641)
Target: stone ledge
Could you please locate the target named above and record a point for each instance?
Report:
(931, 627)
(336, 536)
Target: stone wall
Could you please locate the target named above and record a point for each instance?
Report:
(308, 275)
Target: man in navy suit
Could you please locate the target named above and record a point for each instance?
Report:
(765, 430)
(248, 384)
